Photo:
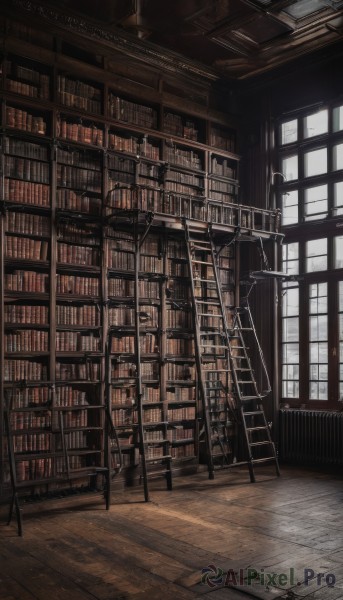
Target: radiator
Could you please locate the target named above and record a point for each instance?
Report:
(311, 436)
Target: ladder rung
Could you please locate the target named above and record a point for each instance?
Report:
(202, 262)
(242, 369)
(260, 428)
(204, 280)
(245, 382)
(261, 460)
(209, 302)
(252, 413)
(264, 443)
(210, 315)
(159, 458)
(212, 346)
(249, 398)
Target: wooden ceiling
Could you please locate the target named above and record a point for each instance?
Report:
(237, 38)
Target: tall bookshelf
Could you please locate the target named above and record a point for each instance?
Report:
(79, 159)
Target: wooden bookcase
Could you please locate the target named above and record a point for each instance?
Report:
(77, 156)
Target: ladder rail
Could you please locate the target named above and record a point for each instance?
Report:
(201, 382)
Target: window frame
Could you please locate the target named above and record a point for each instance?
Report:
(327, 226)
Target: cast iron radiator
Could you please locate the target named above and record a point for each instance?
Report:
(311, 436)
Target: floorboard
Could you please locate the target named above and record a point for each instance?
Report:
(195, 542)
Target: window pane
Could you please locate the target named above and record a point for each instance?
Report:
(338, 118)
(338, 157)
(290, 258)
(290, 167)
(290, 302)
(315, 162)
(338, 252)
(318, 346)
(289, 132)
(290, 330)
(316, 255)
(290, 207)
(291, 354)
(316, 124)
(338, 198)
(316, 202)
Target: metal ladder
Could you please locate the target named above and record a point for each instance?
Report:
(211, 349)
(249, 399)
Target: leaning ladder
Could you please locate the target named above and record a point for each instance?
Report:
(211, 348)
(249, 399)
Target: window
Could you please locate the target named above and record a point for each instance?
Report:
(316, 162)
(316, 124)
(290, 167)
(311, 200)
(318, 341)
(289, 132)
(316, 255)
(316, 202)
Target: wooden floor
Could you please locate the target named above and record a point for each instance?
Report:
(73, 549)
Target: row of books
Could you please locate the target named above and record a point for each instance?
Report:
(26, 314)
(186, 413)
(26, 192)
(80, 255)
(154, 435)
(126, 261)
(122, 417)
(26, 281)
(184, 451)
(124, 396)
(178, 269)
(26, 223)
(75, 418)
(181, 394)
(75, 341)
(222, 140)
(179, 372)
(77, 233)
(185, 178)
(156, 452)
(26, 149)
(183, 158)
(32, 442)
(175, 125)
(25, 121)
(126, 344)
(222, 167)
(152, 415)
(78, 178)
(30, 370)
(79, 158)
(68, 371)
(181, 347)
(32, 470)
(79, 202)
(30, 420)
(41, 90)
(30, 397)
(78, 94)
(26, 248)
(66, 395)
(123, 315)
(87, 314)
(124, 288)
(78, 132)
(77, 285)
(149, 371)
(27, 340)
(131, 112)
(75, 440)
(180, 433)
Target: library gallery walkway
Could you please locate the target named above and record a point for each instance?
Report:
(277, 538)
